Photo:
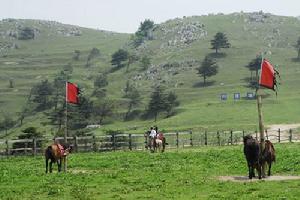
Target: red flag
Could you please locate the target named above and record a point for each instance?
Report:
(72, 92)
(267, 75)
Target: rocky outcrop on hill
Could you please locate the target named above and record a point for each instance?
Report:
(164, 72)
(179, 33)
(258, 16)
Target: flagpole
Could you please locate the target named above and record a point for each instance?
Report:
(66, 127)
(66, 118)
(260, 116)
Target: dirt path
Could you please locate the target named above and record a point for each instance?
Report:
(243, 179)
(272, 131)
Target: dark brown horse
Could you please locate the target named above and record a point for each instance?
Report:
(268, 155)
(251, 151)
(56, 154)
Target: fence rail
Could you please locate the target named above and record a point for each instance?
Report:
(184, 139)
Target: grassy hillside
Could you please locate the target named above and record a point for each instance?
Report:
(177, 48)
(186, 174)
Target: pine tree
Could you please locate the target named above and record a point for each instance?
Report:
(220, 41)
(157, 102)
(208, 68)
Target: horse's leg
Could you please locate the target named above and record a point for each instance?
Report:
(50, 166)
(46, 165)
(249, 171)
(164, 144)
(59, 165)
(263, 169)
(259, 170)
(269, 171)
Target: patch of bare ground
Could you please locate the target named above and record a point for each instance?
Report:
(246, 179)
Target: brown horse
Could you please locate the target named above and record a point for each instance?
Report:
(251, 151)
(268, 155)
(160, 142)
(56, 155)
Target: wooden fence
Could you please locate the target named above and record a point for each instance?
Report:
(185, 139)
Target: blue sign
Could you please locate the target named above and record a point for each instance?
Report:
(236, 96)
(224, 97)
(250, 95)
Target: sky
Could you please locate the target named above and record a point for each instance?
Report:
(125, 15)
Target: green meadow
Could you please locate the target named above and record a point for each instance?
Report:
(190, 173)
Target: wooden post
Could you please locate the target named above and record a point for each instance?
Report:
(231, 137)
(94, 143)
(290, 135)
(279, 135)
(114, 141)
(205, 138)
(130, 141)
(76, 143)
(191, 138)
(26, 146)
(261, 128)
(218, 137)
(7, 148)
(177, 140)
(267, 136)
(34, 147)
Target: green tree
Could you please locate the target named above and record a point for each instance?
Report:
(144, 32)
(119, 57)
(76, 55)
(297, 46)
(42, 95)
(26, 33)
(220, 41)
(93, 54)
(131, 59)
(134, 99)
(11, 83)
(145, 62)
(254, 65)
(79, 115)
(208, 68)
(6, 123)
(103, 109)
(157, 102)
(99, 84)
(171, 103)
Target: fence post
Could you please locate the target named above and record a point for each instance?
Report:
(177, 140)
(291, 135)
(231, 137)
(146, 141)
(94, 143)
(205, 138)
(75, 144)
(279, 135)
(7, 148)
(113, 141)
(26, 146)
(130, 141)
(34, 147)
(267, 136)
(191, 138)
(218, 137)
(243, 134)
